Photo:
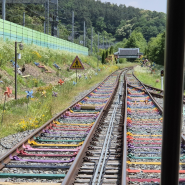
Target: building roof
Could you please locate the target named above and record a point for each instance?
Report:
(128, 53)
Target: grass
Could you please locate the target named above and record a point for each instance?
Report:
(40, 108)
(145, 75)
(33, 53)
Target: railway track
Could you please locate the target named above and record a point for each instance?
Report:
(143, 137)
(104, 161)
(58, 147)
(111, 136)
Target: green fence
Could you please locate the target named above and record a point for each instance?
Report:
(12, 31)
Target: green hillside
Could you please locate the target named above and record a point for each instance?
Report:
(113, 21)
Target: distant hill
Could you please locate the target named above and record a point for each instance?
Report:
(118, 21)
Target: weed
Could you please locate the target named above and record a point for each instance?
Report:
(144, 74)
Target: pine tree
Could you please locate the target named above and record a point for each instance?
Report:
(103, 58)
(107, 53)
(111, 50)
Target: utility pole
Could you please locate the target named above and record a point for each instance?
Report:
(91, 40)
(98, 42)
(103, 43)
(4, 9)
(47, 17)
(16, 70)
(56, 21)
(44, 27)
(58, 32)
(24, 19)
(72, 26)
(84, 33)
(98, 51)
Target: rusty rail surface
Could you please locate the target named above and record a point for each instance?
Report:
(5, 158)
(73, 171)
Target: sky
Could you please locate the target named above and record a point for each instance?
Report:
(153, 5)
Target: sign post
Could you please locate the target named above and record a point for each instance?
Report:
(77, 64)
(76, 75)
(162, 75)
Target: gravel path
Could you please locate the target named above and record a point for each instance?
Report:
(10, 141)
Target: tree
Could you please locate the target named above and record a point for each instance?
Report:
(103, 58)
(111, 50)
(100, 24)
(124, 31)
(136, 40)
(155, 49)
(106, 54)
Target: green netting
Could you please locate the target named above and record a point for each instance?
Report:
(12, 31)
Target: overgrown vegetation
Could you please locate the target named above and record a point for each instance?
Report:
(18, 114)
(153, 50)
(149, 75)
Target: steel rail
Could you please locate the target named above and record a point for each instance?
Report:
(158, 106)
(153, 93)
(73, 171)
(5, 158)
(106, 143)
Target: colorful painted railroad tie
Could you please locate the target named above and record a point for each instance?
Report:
(50, 155)
(144, 138)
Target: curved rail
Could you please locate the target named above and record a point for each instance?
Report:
(150, 88)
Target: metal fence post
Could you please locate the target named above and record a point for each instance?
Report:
(24, 19)
(4, 9)
(16, 70)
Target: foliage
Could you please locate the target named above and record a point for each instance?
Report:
(106, 53)
(103, 58)
(124, 29)
(116, 20)
(120, 44)
(41, 109)
(110, 20)
(155, 50)
(122, 60)
(33, 53)
(144, 74)
(111, 50)
(136, 40)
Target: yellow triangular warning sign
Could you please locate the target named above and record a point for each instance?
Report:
(77, 64)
